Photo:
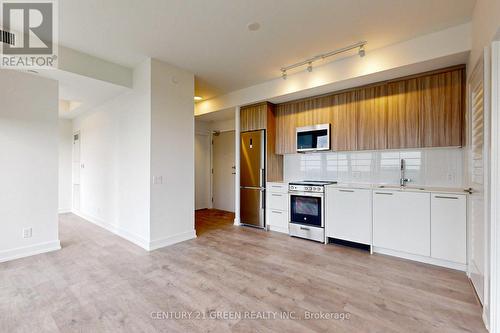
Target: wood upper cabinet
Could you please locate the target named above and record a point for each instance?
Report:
(425, 110)
(344, 112)
(442, 105)
(403, 114)
(253, 117)
(371, 130)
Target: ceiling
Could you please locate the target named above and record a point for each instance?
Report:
(84, 93)
(211, 39)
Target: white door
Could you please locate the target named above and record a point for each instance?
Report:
(476, 175)
(202, 171)
(223, 165)
(76, 171)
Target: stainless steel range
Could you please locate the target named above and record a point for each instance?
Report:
(307, 212)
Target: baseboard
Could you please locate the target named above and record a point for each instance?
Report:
(237, 221)
(131, 237)
(64, 210)
(159, 243)
(278, 229)
(30, 250)
(424, 259)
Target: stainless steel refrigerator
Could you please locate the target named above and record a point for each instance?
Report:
(253, 178)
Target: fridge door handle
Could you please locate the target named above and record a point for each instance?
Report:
(262, 177)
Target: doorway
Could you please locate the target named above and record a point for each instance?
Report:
(223, 170)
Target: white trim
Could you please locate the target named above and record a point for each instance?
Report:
(424, 259)
(64, 210)
(237, 132)
(184, 236)
(30, 250)
(494, 306)
(131, 237)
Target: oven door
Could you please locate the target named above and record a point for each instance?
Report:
(306, 208)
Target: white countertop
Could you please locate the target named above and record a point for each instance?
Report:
(409, 188)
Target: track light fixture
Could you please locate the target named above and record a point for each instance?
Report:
(283, 74)
(362, 51)
(309, 62)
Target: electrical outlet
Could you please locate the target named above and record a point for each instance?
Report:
(157, 180)
(27, 233)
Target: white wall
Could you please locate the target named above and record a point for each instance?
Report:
(65, 165)
(28, 164)
(172, 154)
(115, 149)
(485, 25)
(426, 167)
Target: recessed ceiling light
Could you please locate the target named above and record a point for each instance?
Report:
(254, 26)
(198, 98)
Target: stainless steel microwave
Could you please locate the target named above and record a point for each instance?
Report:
(313, 138)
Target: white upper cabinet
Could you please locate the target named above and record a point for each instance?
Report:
(349, 214)
(448, 232)
(402, 221)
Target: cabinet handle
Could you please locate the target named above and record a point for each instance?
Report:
(443, 197)
(277, 186)
(346, 190)
(384, 193)
(276, 212)
(276, 195)
(304, 228)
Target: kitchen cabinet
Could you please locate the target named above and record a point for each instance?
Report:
(448, 227)
(403, 114)
(277, 206)
(349, 214)
(423, 110)
(371, 129)
(344, 113)
(442, 102)
(402, 221)
(253, 117)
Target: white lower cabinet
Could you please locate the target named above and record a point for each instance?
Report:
(448, 227)
(349, 214)
(402, 221)
(277, 220)
(277, 207)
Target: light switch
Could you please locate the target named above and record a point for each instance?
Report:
(157, 180)
(27, 233)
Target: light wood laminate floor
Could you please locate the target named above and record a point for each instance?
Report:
(99, 282)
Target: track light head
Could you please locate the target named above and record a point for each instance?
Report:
(310, 67)
(362, 51)
(283, 74)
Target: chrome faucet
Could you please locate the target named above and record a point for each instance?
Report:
(403, 180)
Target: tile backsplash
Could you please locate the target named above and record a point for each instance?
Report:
(425, 167)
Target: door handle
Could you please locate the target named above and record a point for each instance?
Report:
(304, 228)
(443, 197)
(384, 193)
(346, 190)
(276, 195)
